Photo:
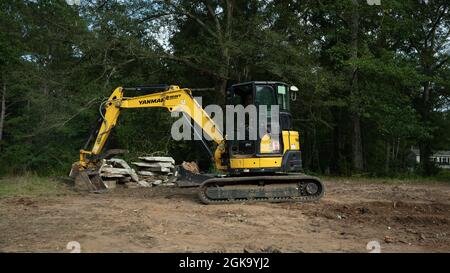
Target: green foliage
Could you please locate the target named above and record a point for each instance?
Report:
(58, 62)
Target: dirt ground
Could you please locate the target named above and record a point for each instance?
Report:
(401, 217)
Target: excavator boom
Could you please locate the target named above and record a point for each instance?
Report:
(174, 99)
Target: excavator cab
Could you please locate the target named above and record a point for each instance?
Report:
(276, 147)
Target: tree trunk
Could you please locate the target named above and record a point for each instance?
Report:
(357, 144)
(221, 89)
(336, 151)
(425, 153)
(388, 156)
(397, 149)
(315, 161)
(2, 113)
(425, 145)
(357, 150)
(338, 165)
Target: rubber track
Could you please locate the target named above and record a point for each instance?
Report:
(256, 180)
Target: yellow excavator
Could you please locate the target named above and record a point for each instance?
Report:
(266, 169)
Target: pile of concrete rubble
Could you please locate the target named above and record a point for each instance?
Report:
(151, 171)
(156, 170)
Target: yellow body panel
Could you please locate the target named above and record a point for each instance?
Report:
(253, 163)
(294, 141)
(290, 142)
(285, 136)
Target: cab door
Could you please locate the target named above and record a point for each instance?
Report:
(242, 94)
(269, 141)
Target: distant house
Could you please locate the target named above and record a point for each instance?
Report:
(440, 158)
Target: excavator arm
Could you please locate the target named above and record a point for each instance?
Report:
(174, 99)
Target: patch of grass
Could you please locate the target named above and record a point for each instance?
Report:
(442, 178)
(31, 185)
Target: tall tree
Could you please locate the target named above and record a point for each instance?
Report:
(423, 33)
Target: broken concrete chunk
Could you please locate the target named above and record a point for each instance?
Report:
(157, 182)
(112, 171)
(168, 184)
(163, 165)
(154, 165)
(152, 171)
(125, 165)
(157, 169)
(141, 164)
(164, 170)
(158, 159)
(144, 184)
(110, 184)
(111, 175)
(120, 162)
(131, 185)
(147, 173)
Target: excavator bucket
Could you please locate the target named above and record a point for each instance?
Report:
(87, 179)
(188, 179)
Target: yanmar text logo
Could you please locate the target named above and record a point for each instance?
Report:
(158, 100)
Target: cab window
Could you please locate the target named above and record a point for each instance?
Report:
(283, 97)
(265, 95)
